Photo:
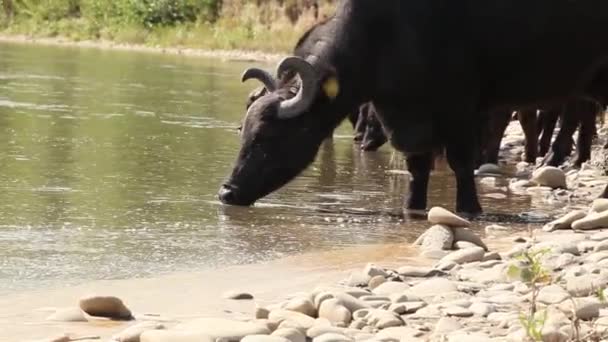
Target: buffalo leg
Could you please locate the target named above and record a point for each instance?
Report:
(547, 120)
(492, 136)
(461, 161)
(562, 146)
(374, 136)
(419, 165)
(585, 134)
(527, 119)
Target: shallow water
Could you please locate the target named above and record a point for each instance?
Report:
(110, 163)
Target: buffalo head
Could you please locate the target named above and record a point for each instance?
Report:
(285, 124)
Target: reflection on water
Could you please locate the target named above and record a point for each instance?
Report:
(110, 162)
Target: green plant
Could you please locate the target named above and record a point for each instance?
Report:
(531, 271)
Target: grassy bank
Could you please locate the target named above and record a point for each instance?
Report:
(268, 26)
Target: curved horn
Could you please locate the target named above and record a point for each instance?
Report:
(261, 75)
(298, 104)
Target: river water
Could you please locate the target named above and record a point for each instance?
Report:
(110, 162)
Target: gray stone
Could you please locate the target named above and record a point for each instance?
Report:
(134, 332)
(372, 270)
(301, 319)
(585, 308)
(261, 313)
(105, 306)
(439, 215)
(465, 255)
(467, 235)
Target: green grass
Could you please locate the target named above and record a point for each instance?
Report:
(240, 25)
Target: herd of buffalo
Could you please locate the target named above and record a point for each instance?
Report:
(429, 77)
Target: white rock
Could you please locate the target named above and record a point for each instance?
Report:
(549, 176)
(482, 309)
(291, 334)
(391, 287)
(68, 315)
(335, 312)
(584, 286)
(301, 305)
(264, 338)
(585, 308)
(465, 255)
(599, 205)
(465, 234)
(382, 319)
(552, 294)
(175, 336)
(469, 337)
(398, 333)
(599, 236)
(592, 221)
(458, 311)
(376, 281)
(566, 221)
(372, 270)
(301, 319)
(446, 325)
(332, 337)
(601, 246)
(223, 328)
(495, 229)
(433, 287)
(416, 271)
(134, 332)
(438, 237)
(439, 215)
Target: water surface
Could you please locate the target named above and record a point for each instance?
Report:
(110, 162)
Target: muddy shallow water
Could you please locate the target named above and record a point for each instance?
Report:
(110, 163)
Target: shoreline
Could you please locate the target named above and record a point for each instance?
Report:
(224, 55)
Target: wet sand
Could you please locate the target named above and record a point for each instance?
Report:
(191, 295)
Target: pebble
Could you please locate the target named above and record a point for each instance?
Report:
(586, 308)
(549, 176)
(301, 319)
(105, 306)
(335, 312)
(458, 311)
(68, 315)
(382, 319)
(584, 285)
(464, 245)
(592, 221)
(599, 205)
(439, 215)
(465, 255)
(391, 287)
(446, 325)
(303, 306)
(376, 281)
(235, 295)
(291, 334)
(482, 309)
(438, 237)
(398, 333)
(565, 222)
(467, 235)
(332, 337)
(416, 271)
(552, 294)
(264, 338)
(261, 313)
(372, 270)
(433, 287)
(133, 333)
(175, 336)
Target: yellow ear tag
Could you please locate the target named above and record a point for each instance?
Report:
(331, 87)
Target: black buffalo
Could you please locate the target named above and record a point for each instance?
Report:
(431, 69)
